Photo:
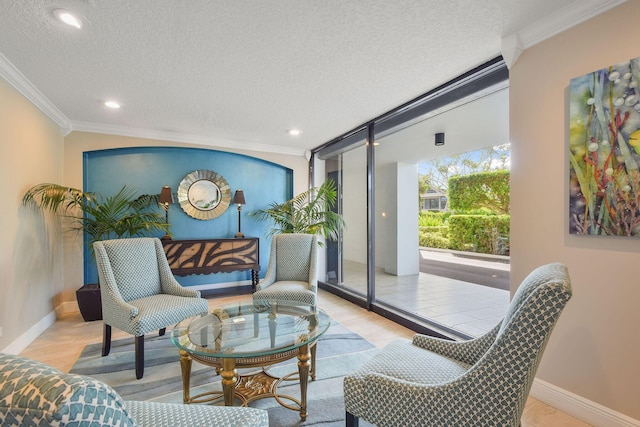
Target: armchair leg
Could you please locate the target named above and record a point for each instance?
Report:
(273, 324)
(106, 339)
(351, 420)
(256, 324)
(162, 331)
(139, 356)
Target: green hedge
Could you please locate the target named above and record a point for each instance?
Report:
(433, 240)
(488, 190)
(434, 219)
(480, 233)
(442, 230)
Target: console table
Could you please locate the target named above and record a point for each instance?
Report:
(205, 256)
(186, 257)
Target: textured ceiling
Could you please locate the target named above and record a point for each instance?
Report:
(240, 73)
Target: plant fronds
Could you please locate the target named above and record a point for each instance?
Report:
(310, 212)
(124, 214)
(51, 197)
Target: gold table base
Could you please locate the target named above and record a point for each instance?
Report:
(253, 386)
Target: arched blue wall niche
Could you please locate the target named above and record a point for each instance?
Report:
(148, 169)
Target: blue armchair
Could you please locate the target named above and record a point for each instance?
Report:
(435, 382)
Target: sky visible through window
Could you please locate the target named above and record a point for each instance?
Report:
(437, 172)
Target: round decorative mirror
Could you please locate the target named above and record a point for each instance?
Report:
(203, 194)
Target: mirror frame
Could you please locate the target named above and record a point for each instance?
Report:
(186, 186)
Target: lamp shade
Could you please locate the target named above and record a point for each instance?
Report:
(238, 198)
(440, 138)
(165, 195)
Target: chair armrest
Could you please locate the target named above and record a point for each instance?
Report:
(158, 414)
(313, 265)
(266, 282)
(168, 283)
(113, 306)
(465, 351)
(421, 403)
(170, 286)
(270, 275)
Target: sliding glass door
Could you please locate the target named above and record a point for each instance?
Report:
(379, 261)
(347, 258)
(396, 220)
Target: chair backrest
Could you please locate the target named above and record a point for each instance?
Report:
(133, 264)
(509, 366)
(296, 256)
(551, 277)
(36, 394)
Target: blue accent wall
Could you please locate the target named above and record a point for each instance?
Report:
(148, 169)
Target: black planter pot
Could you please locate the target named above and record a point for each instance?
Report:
(90, 302)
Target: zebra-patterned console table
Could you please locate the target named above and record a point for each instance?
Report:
(214, 256)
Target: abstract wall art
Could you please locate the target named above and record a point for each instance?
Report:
(604, 151)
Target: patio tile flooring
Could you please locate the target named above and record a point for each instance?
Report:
(466, 307)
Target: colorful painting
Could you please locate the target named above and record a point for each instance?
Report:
(604, 151)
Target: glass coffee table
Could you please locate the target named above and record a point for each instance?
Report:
(251, 335)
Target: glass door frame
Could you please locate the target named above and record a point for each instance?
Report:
(473, 83)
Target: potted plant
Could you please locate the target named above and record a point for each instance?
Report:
(99, 217)
(310, 212)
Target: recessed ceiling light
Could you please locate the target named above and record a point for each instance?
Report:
(67, 17)
(112, 104)
(293, 132)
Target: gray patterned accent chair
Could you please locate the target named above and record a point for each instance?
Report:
(139, 293)
(484, 381)
(35, 394)
(292, 270)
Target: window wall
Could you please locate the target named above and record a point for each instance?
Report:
(347, 258)
(376, 262)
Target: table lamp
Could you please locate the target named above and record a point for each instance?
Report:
(166, 198)
(238, 199)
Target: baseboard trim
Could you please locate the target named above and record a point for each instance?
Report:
(577, 406)
(31, 334)
(240, 284)
(67, 308)
(17, 346)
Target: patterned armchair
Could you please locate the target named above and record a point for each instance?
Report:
(435, 382)
(292, 270)
(139, 293)
(34, 394)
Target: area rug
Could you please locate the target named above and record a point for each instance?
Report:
(339, 352)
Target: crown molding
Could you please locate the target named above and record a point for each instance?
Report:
(185, 138)
(16, 79)
(561, 20)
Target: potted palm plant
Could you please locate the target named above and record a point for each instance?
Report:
(310, 212)
(125, 214)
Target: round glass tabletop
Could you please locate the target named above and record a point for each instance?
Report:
(247, 330)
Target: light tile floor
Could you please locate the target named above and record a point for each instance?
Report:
(465, 307)
(61, 344)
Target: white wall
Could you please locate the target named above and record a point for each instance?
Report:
(396, 193)
(406, 239)
(594, 350)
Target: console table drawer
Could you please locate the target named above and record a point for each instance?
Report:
(213, 256)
